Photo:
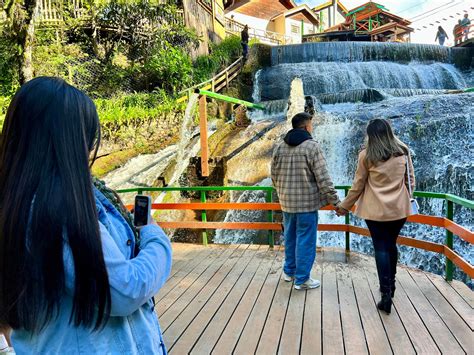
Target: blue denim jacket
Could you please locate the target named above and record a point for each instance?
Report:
(133, 326)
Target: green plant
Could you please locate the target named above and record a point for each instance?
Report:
(221, 55)
(168, 68)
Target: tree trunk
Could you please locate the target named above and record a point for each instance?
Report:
(23, 26)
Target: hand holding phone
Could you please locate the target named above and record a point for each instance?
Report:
(141, 214)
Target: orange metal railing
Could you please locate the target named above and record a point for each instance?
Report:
(450, 226)
(463, 34)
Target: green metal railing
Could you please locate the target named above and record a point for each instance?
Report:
(232, 100)
(449, 198)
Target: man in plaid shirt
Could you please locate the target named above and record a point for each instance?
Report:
(303, 185)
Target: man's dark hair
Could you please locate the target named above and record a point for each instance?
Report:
(299, 120)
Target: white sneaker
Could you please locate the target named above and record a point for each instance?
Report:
(288, 278)
(308, 284)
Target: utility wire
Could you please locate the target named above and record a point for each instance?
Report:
(411, 7)
(434, 9)
(422, 18)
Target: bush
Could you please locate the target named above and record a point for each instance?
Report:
(168, 68)
(221, 56)
(4, 103)
(134, 108)
(8, 68)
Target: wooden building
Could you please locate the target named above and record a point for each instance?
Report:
(330, 13)
(368, 22)
(268, 19)
(207, 18)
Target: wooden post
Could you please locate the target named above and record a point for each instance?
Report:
(203, 129)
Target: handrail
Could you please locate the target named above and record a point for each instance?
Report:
(235, 27)
(217, 82)
(460, 35)
(447, 222)
(230, 99)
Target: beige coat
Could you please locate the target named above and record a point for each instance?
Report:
(380, 192)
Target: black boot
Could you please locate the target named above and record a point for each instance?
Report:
(385, 303)
(393, 288)
(392, 291)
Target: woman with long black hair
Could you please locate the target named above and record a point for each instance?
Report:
(382, 191)
(72, 279)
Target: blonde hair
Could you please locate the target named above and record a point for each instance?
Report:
(382, 143)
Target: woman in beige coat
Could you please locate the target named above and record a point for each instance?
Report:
(381, 194)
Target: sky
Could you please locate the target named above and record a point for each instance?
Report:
(421, 13)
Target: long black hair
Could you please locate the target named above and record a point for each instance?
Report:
(46, 203)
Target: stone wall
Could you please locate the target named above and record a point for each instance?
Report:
(156, 130)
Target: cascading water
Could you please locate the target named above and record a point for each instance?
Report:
(184, 149)
(364, 52)
(256, 90)
(243, 236)
(356, 83)
(332, 77)
(146, 168)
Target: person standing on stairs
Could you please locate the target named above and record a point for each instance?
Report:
(382, 191)
(244, 35)
(300, 176)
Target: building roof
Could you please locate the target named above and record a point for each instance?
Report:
(366, 8)
(231, 5)
(302, 9)
(329, 3)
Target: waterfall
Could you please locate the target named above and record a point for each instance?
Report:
(365, 51)
(243, 236)
(297, 101)
(333, 77)
(358, 95)
(256, 88)
(407, 84)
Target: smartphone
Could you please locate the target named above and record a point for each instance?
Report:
(141, 214)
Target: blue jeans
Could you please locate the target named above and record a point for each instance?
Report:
(300, 244)
(245, 49)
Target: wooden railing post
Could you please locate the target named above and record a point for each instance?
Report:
(449, 240)
(204, 218)
(347, 222)
(203, 129)
(271, 239)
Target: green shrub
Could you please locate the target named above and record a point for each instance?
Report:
(168, 68)
(221, 56)
(4, 103)
(8, 68)
(134, 108)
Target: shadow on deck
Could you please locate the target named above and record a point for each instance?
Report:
(225, 299)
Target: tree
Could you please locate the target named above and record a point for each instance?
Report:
(20, 32)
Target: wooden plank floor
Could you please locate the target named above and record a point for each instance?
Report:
(233, 299)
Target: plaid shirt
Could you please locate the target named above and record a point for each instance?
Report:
(301, 178)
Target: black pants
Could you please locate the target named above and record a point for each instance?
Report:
(384, 236)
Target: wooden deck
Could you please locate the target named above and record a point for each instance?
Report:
(224, 299)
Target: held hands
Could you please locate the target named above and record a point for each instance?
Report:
(341, 211)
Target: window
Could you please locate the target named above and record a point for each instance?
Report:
(295, 29)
